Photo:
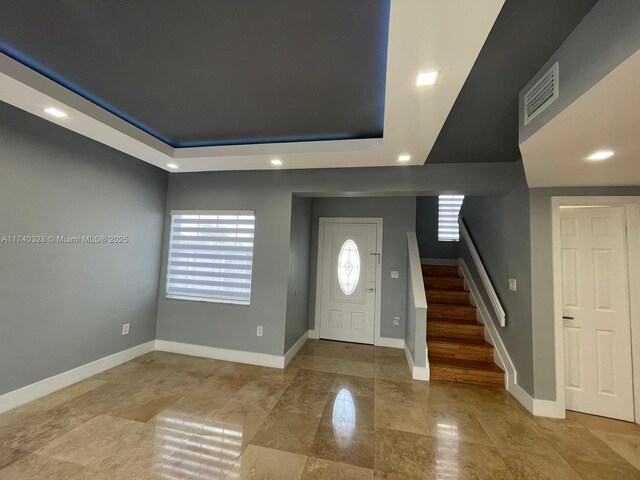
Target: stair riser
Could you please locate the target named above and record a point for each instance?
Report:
(443, 283)
(461, 352)
(452, 311)
(453, 330)
(440, 271)
(445, 296)
(466, 375)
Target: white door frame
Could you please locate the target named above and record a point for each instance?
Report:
(631, 204)
(315, 333)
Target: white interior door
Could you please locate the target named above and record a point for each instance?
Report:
(596, 317)
(349, 262)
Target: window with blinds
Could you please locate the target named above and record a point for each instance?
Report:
(211, 256)
(448, 211)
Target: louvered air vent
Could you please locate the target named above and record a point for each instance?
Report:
(542, 94)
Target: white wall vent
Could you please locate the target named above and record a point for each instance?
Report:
(542, 94)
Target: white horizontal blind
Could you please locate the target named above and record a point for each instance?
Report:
(448, 211)
(211, 256)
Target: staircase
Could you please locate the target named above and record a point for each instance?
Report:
(455, 339)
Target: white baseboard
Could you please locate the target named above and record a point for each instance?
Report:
(548, 408)
(522, 396)
(49, 385)
(378, 342)
(239, 356)
(407, 354)
(389, 342)
(417, 373)
(439, 261)
(295, 348)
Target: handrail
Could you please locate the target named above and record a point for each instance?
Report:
(415, 267)
(486, 281)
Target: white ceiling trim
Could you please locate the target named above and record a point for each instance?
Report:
(424, 35)
(606, 117)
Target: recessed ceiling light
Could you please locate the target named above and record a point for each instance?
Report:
(404, 158)
(600, 155)
(426, 78)
(173, 166)
(276, 162)
(54, 112)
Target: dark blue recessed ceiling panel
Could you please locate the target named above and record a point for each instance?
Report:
(208, 72)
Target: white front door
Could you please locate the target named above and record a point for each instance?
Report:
(348, 284)
(596, 318)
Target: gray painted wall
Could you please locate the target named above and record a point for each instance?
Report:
(542, 279)
(499, 226)
(297, 319)
(224, 325)
(399, 217)
(269, 193)
(605, 38)
(427, 231)
(64, 305)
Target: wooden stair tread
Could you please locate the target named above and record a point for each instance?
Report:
(440, 277)
(443, 290)
(459, 321)
(475, 342)
(455, 330)
(429, 275)
(452, 306)
(452, 277)
(464, 364)
(455, 284)
(451, 297)
(440, 270)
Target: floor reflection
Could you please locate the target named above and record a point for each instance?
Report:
(196, 448)
(344, 418)
(447, 451)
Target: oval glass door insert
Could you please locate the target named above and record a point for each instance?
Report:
(348, 267)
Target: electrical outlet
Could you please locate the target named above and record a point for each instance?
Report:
(125, 328)
(396, 321)
(259, 331)
(395, 274)
(512, 285)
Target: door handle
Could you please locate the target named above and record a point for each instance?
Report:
(567, 318)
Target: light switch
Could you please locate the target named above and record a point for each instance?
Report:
(396, 321)
(395, 274)
(512, 284)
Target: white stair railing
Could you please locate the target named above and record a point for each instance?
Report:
(416, 312)
(486, 281)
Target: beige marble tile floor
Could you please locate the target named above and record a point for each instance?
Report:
(339, 411)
